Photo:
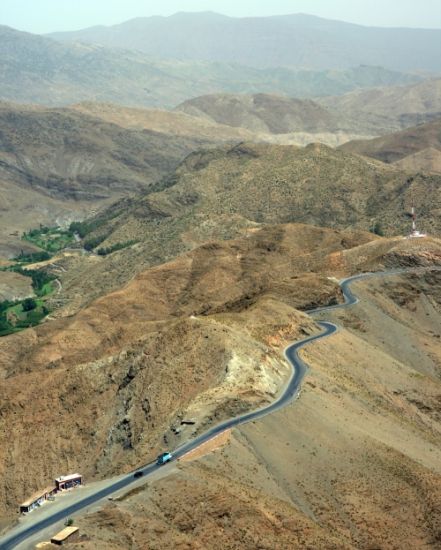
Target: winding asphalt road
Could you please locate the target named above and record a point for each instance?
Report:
(22, 533)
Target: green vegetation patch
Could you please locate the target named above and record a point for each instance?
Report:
(15, 316)
(96, 229)
(42, 282)
(377, 229)
(93, 242)
(90, 226)
(32, 257)
(50, 239)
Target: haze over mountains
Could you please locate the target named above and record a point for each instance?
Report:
(35, 69)
(300, 41)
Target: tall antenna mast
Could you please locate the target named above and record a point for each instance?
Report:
(415, 234)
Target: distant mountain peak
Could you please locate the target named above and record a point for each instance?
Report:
(199, 14)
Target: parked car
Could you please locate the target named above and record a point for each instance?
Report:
(164, 458)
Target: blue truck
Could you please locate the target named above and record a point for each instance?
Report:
(164, 458)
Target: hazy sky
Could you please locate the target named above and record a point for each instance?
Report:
(42, 16)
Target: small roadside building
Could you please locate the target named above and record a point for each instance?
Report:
(36, 499)
(66, 482)
(68, 534)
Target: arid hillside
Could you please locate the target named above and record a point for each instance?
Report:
(213, 323)
(262, 113)
(205, 323)
(111, 352)
(261, 183)
(354, 464)
(236, 118)
(416, 149)
(67, 154)
(165, 122)
(58, 165)
(222, 193)
(373, 112)
(390, 108)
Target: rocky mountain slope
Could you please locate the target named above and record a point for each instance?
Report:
(391, 108)
(71, 155)
(212, 322)
(121, 359)
(36, 69)
(297, 40)
(222, 193)
(58, 165)
(284, 120)
(417, 149)
(265, 183)
(364, 439)
(427, 160)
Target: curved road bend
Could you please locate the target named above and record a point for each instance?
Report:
(299, 368)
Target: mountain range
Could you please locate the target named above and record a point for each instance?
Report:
(75, 159)
(299, 41)
(36, 69)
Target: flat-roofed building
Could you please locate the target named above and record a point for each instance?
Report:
(68, 534)
(66, 482)
(37, 499)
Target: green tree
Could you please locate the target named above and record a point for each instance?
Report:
(29, 304)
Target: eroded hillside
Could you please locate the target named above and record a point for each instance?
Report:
(199, 336)
(354, 463)
(66, 154)
(415, 149)
(60, 165)
(263, 113)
